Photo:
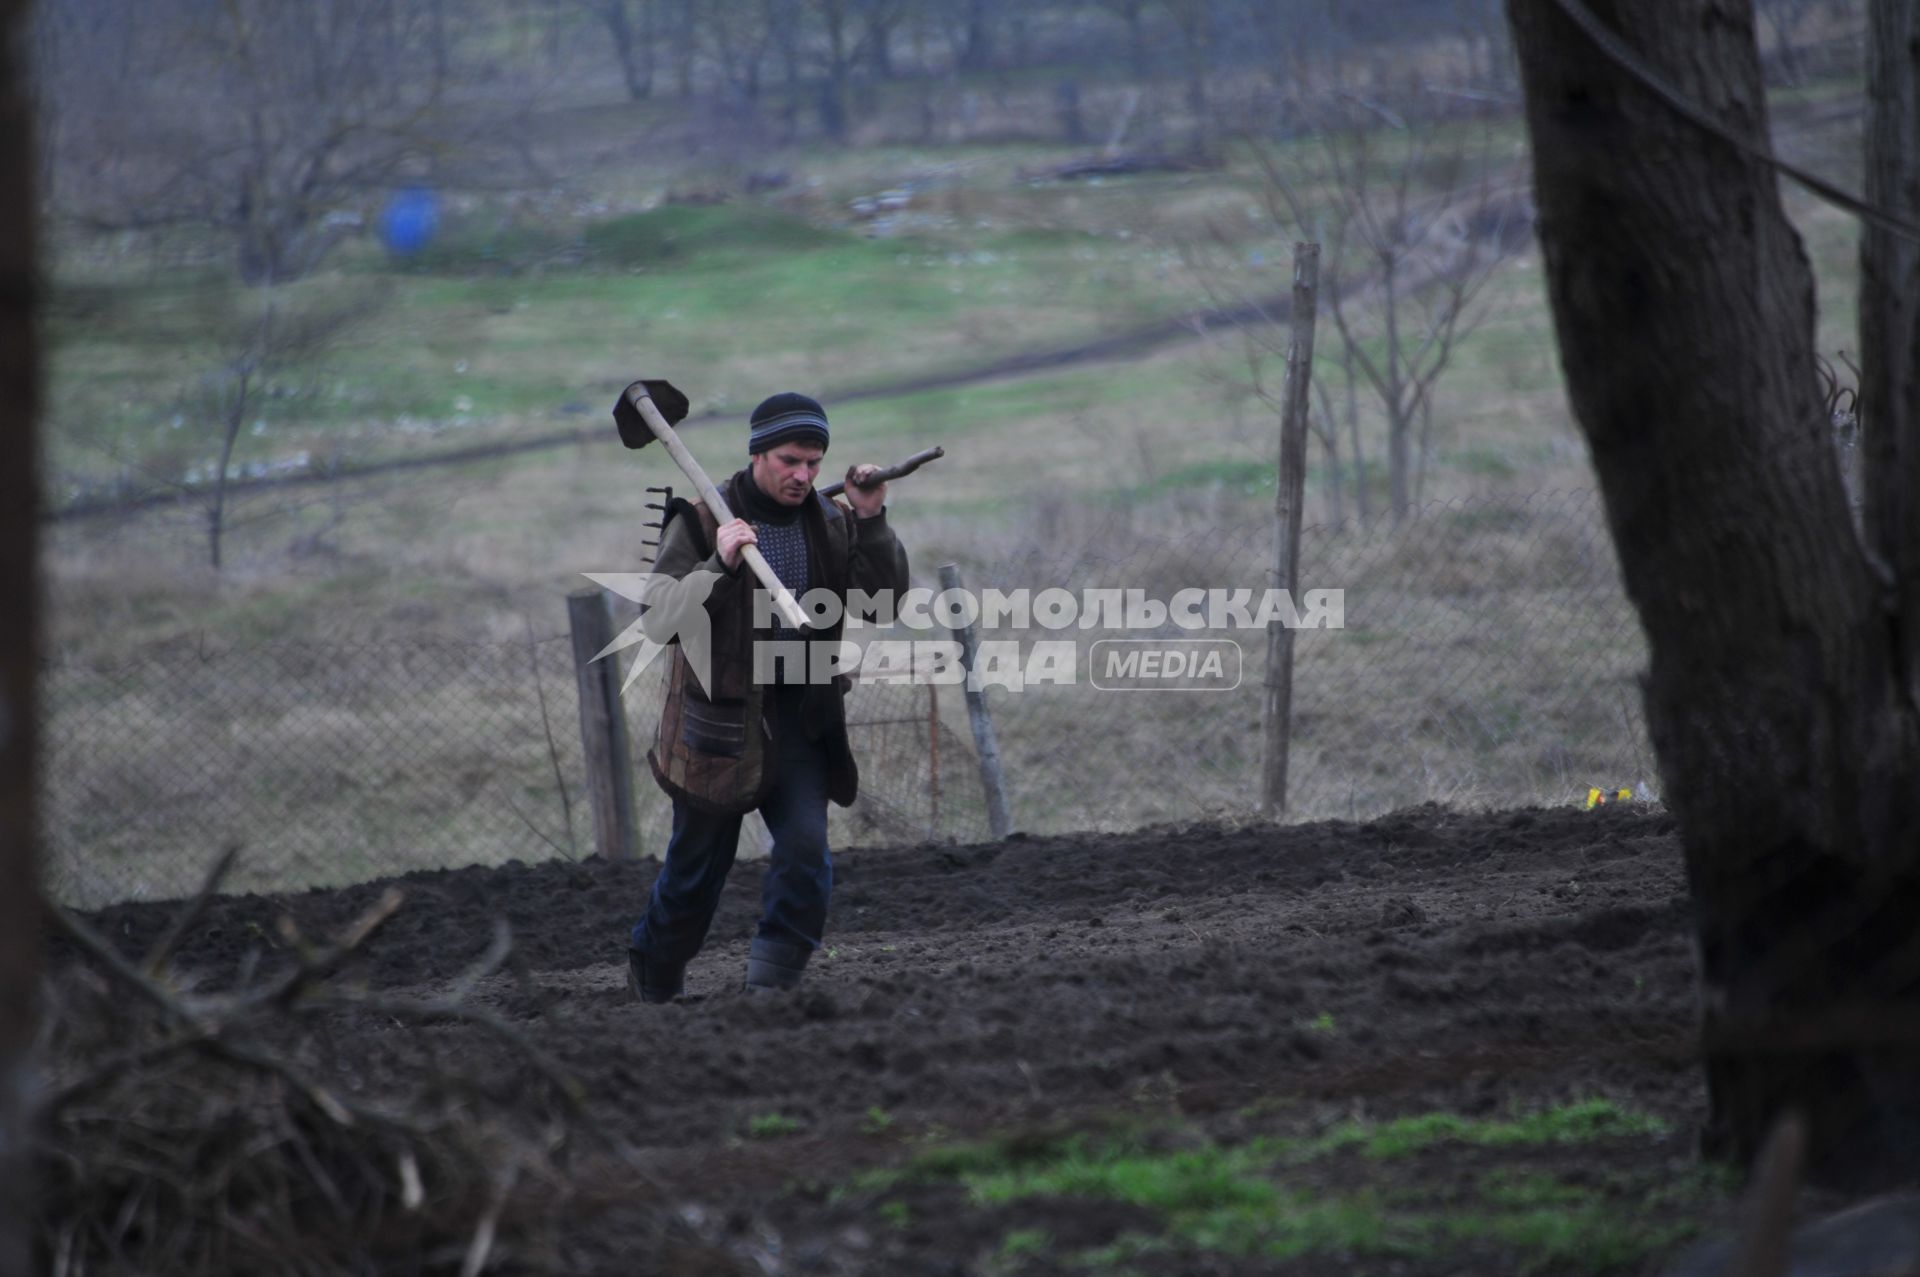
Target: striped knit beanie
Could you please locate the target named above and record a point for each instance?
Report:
(785, 418)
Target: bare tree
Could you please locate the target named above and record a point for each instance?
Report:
(678, 26)
(630, 32)
(786, 23)
(1483, 34)
(836, 96)
(1263, 355)
(1413, 229)
(20, 919)
(974, 31)
(1328, 424)
(736, 37)
(1889, 401)
(264, 337)
(262, 120)
(1261, 324)
(1133, 14)
(878, 19)
(1783, 692)
(1193, 21)
(1785, 18)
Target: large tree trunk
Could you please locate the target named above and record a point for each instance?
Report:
(880, 19)
(836, 92)
(633, 49)
(1776, 694)
(19, 499)
(1890, 309)
(1138, 61)
(982, 19)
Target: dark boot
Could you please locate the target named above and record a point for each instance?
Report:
(654, 981)
(775, 964)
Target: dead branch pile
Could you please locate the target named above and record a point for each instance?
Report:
(188, 1132)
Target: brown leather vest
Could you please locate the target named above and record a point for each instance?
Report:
(713, 747)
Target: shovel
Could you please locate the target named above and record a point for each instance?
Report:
(646, 411)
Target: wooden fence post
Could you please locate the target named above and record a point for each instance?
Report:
(1276, 717)
(603, 725)
(984, 742)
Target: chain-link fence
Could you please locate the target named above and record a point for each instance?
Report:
(1487, 658)
(326, 762)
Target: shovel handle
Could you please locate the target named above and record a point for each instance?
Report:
(897, 471)
(783, 599)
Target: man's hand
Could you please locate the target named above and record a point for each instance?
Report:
(866, 501)
(731, 537)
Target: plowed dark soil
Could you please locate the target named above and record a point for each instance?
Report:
(1426, 960)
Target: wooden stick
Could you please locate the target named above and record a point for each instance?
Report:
(188, 917)
(887, 473)
(318, 964)
(205, 1033)
(136, 979)
(482, 1245)
(413, 1194)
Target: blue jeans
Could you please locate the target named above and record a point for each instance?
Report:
(793, 891)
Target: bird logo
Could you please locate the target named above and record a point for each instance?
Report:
(672, 610)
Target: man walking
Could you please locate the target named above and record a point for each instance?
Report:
(743, 740)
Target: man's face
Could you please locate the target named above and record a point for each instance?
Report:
(786, 471)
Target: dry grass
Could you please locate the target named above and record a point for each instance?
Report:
(1487, 659)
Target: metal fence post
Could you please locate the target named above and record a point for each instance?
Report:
(984, 743)
(603, 725)
(1289, 493)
